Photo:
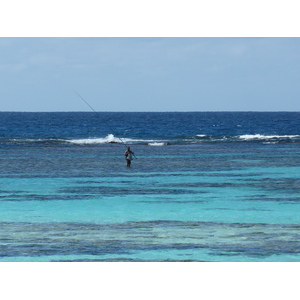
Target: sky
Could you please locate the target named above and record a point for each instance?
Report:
(150, 74)
(162, 55)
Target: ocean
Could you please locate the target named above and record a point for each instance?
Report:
(202, 187)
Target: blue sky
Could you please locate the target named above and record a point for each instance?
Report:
(150, 74)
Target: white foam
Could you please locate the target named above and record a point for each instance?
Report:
(108, 139)
(112, 139)
(157, 144)
(266, 137)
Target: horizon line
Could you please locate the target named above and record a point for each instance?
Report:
(165, 111)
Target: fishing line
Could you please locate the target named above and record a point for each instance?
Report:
(98, 115)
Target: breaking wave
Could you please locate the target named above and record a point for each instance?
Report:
(157, 144)
(195, 139)
(108, 139)
(111, 139)
(250, 137)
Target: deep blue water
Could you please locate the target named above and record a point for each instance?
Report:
(205, 186)
(174, 127)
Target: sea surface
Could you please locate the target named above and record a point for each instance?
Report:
(203, 186)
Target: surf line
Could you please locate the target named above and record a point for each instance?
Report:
(98, 115)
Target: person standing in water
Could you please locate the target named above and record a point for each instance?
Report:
(128, 154)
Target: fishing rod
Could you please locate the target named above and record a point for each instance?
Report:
(98, 115)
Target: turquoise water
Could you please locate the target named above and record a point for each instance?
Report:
(203, 201)
(217, 197)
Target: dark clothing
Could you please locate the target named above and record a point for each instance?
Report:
(128, 155)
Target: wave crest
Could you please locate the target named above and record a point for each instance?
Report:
(266, 137)
(190, 139)
(108, 139)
